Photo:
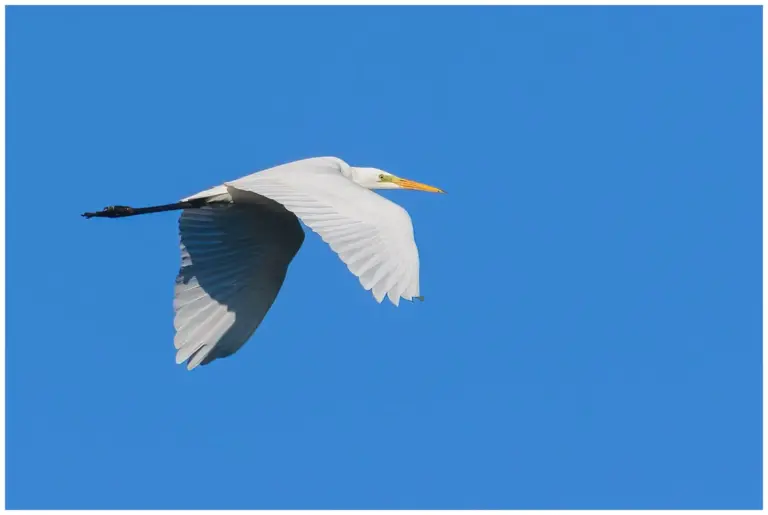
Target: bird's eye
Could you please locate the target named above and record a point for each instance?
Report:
(381, 176)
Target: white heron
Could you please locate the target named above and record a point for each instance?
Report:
(238, 239)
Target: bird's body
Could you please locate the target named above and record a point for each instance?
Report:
(238, 239)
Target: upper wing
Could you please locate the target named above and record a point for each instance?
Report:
(233, 263)
(371, 235)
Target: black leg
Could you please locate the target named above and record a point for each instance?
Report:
(121, 211)
(112, 212)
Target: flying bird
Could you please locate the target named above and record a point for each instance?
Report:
(238, 239)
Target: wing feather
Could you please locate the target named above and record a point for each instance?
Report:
(371, 235)
(234, 258)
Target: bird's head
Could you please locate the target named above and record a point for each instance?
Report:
(375, 179)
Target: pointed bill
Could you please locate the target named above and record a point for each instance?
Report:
(407, 184)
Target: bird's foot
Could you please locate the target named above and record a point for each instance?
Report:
(111, 212)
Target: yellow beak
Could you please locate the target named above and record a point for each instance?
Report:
(413, 185)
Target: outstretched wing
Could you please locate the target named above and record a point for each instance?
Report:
(371, 235)
(234, 258)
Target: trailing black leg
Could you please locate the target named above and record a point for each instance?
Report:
(122, 211)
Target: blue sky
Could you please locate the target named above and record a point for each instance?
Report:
(591, 335)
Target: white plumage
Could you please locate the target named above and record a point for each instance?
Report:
(239, 238)
(233, 262)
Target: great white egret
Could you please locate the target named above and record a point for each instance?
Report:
(237, 240)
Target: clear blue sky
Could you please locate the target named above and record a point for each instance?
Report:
(591, 335)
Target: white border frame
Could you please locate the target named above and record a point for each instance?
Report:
(373, 2)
